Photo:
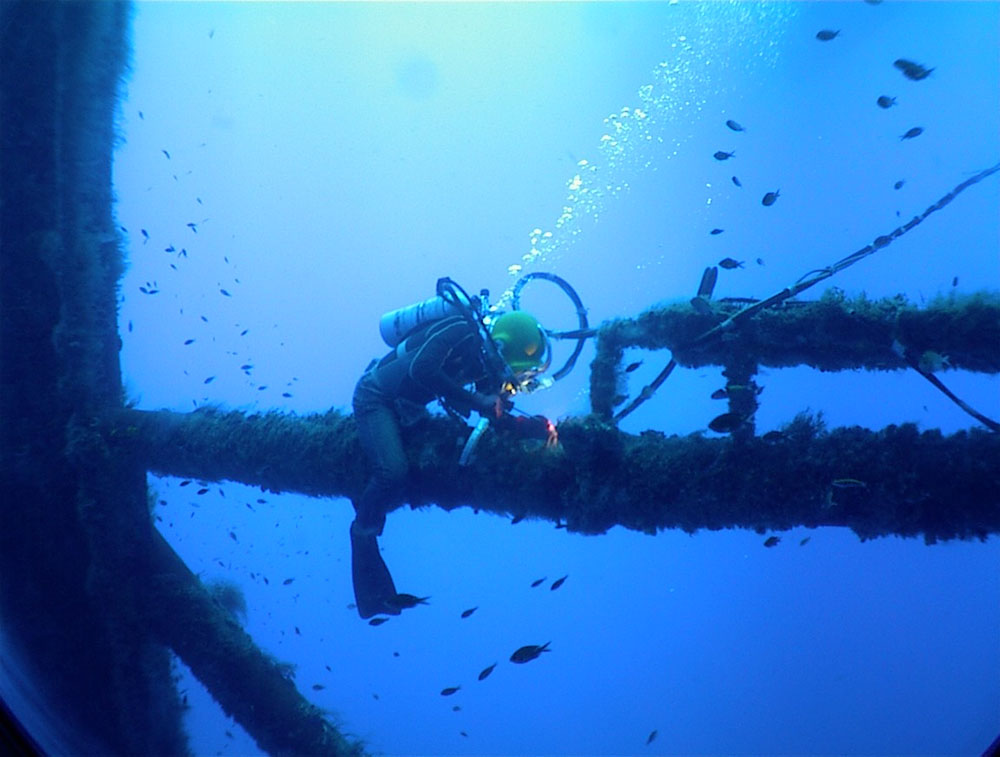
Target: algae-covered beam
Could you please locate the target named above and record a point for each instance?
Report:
(832, 334)
(894, 481)
(248, 684)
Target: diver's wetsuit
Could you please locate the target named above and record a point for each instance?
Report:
(434, 362)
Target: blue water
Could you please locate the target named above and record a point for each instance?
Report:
(336, 159)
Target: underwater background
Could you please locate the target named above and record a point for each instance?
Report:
(289, 172)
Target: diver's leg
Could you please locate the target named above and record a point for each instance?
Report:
(378, 431)
(379, 434)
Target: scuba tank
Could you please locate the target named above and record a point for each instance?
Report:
(398, 324)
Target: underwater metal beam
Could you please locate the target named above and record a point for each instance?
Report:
(898, 481)
(833, 333)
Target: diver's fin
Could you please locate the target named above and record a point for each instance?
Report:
(373, 586)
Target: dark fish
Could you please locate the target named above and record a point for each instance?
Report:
(467, 613)
(130, 326)
(770, 541)
(770, 197)
(726, 422)
(287, 581)
(826, 35)
(244, 332)
(912, 70)
(720, 155)
(517, 519)
(203, 490)
(529, 652)
(729, 264)
(166, 153)
(484, 673)
(632, 366)
(954, 281)
(204, 319)
(448, 691)
(262, 387)
(406, 601)
(916, 131)
(141, 117)
(463, 733)
(185, 482)
(899, 184)
(538, 582)
(232, 535)
(145, 235)
(193, 226)
(720, 394)
(171, 248)
(884, 101)
(804, 541)
(651, 737)
(209, 380)
(377, 621)
(297, 631)
(246, 367)
(285, 394)
(733, 125)
(736, 181)
(227, 294)
(456, 708)
(713, 232)
(760, 261)
(189, 341)
(558, 582)
(881, 242)
(318, 687)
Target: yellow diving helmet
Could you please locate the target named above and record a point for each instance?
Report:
(522, 342)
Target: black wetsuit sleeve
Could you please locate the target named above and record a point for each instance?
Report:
(449, 359)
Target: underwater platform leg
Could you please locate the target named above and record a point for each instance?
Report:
(373, 585)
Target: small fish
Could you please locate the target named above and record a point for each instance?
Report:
(285, 394)
(911, 70)
(825, 35)
(449, 690)
(130, 326)
(899, 184)
(287, 581)
(713, 232)
(729, 264)
(166, 153)
(171, 248)
(318, 687)
(804, 541)
(884, 101)
(538, 582)
(733, 125)
(737, 182)
(456, 708)
(770, 198)
(193, 226)
(463, 733)
(189, 341)
(145, 235)
(848, 483)
(558, 582)
(203, 490)
(651, 738)
(720, 394)
(262, 387)
(484, 673)
(377, 621)
(726, 422)
(297, 631)
(517, 519)
(224, 292)
(954, 282)
(529, 652)
(141, 116)
(882, 241)
(633, 366)
(720, 155)
(916, 131)
(771, 541)
(467, 613)
(244, 332)
(232, 535)
(185, 482)
(760, 261)
(375, 697)
(406, 601)
(209, 380)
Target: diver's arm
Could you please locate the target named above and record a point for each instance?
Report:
(427, 368)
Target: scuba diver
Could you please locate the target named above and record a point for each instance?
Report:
(441, 347)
